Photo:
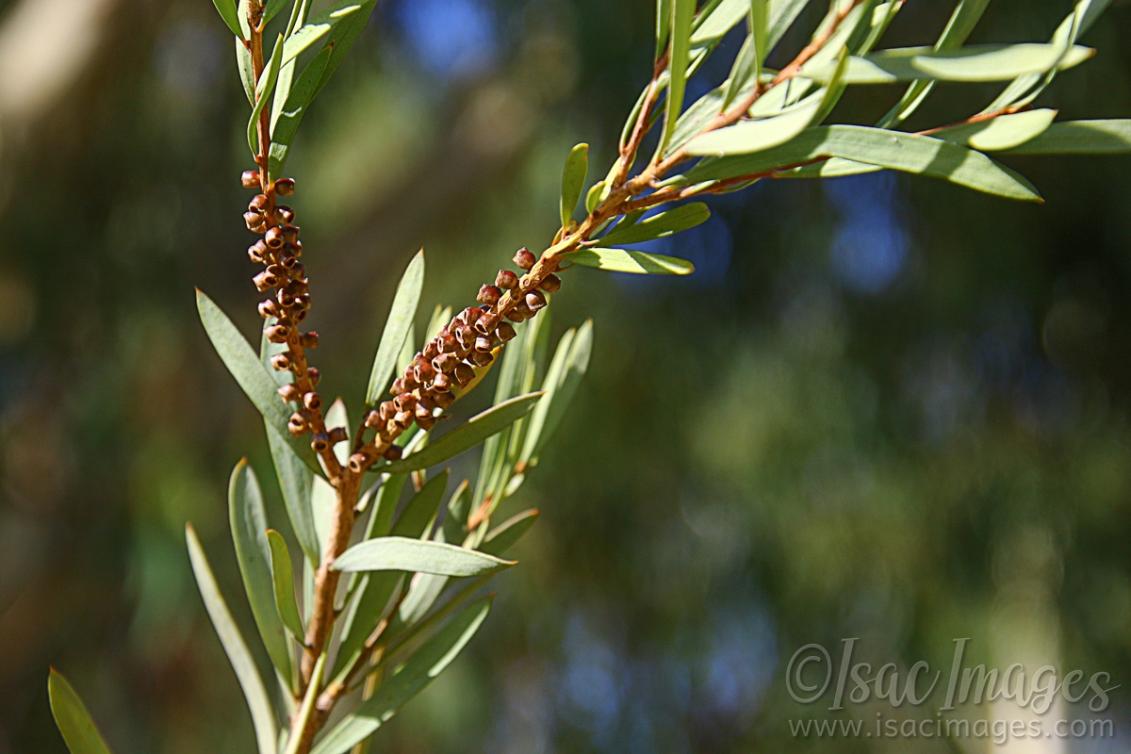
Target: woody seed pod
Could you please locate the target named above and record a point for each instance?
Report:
(308, 339)
(426, 423)
(313, 375)
(320, 442)
(249, 179)
(274, 237)
(372, 419)
(448, 342)
(445, 400)
(551, 283)
(535, 300)
(289, 393)
(312, 401)
(443, 383)
(425, 400)
(423, 371)
(397, 387)
(403, 419)
(297, 424)
(268, 308)
(489, 295)
(254, 221)
(506, 279)
(257, 252)
(481, 358)
(505, 331)
(422, 414)
(386, 411)
(258, 203)
(393, 453)
(295, 248)
(405, 402)
(485, 325)
(278, 333)
(338, 434)
(290, 233)
(431, 350)
(284, 214)
(520, 313)
(483, 343)
(285, 186)
(281, 361)
(264, 281)
(464, 374)
(445, 362)
(358, 461)
(524, 258)
(465, 336)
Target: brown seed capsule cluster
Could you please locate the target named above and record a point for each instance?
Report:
(282, 277)
(451, 360)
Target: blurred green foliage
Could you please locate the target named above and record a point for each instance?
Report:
(882, 408)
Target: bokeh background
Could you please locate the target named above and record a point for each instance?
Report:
(883, 408)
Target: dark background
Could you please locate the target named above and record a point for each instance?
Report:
(884, 408)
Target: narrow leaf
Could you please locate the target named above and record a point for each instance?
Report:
(750, 136)
(566, 371)
(262, 716)
(273, 8)
(660, 225)
(249, 534)
(635, 262)
(503, 537)
(230, 15)
(314, 29)
(1002, 132)
(573, 180)
(418, 671)
(477, 429)
(264, 88)
(283, 575)
(72, 717)
(417, 556)
(289, 116)
(302, 719)
(250, 373)
(682, 13)
(246, 70)
(397, 326)
(1081, 137)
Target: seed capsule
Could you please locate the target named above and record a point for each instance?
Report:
(264, 281)
(312, 401)
(257, 252)
(393, 453)
(295, 248)
(289, 393)
(445, 400)
(505, 331)
(448, 342)
(249, 179)
(403, 419)
(405, 402)
(278, 333)
(423, 372)
(535, 300)
(397, 387)
(359, 461)
(254, 222)
(489, 295)
(320, 442)
(274, 237)
(258, 203)
(520, 313)
(386, 411)
(481, 358)
(284, 214)
(297, 424)
(443, 383)
(308, 339)
(285, 186)
(338, 434)
(281, 361)
(268, 308)
(464, 373)
(485, 325)
(290, 233)
(524, 258)
(483, 343)
(465, 336)
(422, 414)
(506, 279)
(431, 350)
(551, 283)
(445, 362)
(313, 375)
(372, 419)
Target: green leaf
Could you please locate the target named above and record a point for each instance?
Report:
(1081, 137)
(420, 511)
(593, 198)
(314, 29)
(262, 716)
(894, 150)
(750, 136)
(273, 8)
(1002, 132)
(568, 367)
(962, 21)
(503, 536)
(635, 262)
(968, 64)
(475, 431)
(663, 25)
(660, 225)
(246, 70)
(397, 326)
(72, 717)
(713, 23)
(289, 117)
(302, 719)
(283, 576)
(343, 35)
(417, 556)
(230, 15)
(250, 373)
(249, 534)
(264, 88)
(573, 180)
(682, 13)
(287, 71)
(295, 482)
(417, 672)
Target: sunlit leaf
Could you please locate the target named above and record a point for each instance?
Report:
(72, 717)
(264, 88)
(246, 70)
(397, 326)
(682, 13)
(262, 716)
(568, 367)
(1081, 137)
(660, 225)
(314, 29)
(302, 719)
(417, 556)
(635, 262)
(573, 180)
(1002, 132)
(427, 662)
(755, 135)
(230, 15)
(283, 577)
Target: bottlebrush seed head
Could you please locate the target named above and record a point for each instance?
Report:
(489, 295)
(524, 258)
(249, 179)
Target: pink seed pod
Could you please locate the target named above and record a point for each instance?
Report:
(535, 300)
(312, 401)
(489, 295)
(277, 333)
(506, 280)
(297, 424)
(274, 237)
(285, 186)
(281, 361)
(524, 258)
(249, 179)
